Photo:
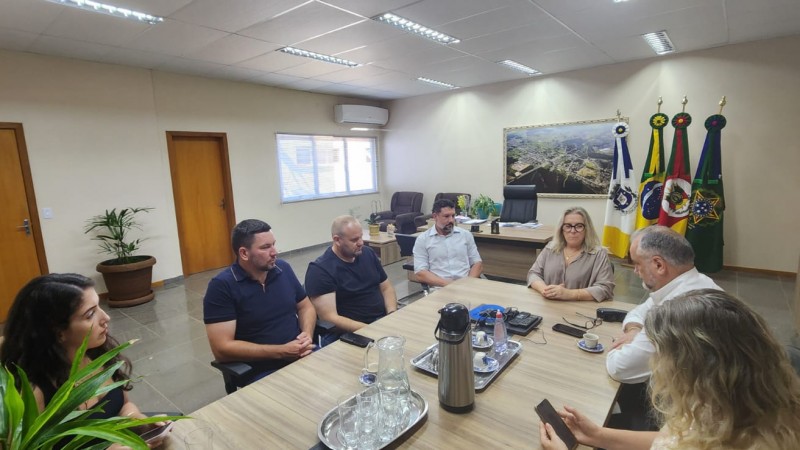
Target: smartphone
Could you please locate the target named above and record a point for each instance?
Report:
(549, 415)
(566, 329)
(157, 432)
(356, 339)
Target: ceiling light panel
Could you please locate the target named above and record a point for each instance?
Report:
(660, 42)
(319, 56)
(437, 83)
(111, 10)
(520, 67)
(415, 28)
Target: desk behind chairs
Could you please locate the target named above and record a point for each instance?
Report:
(236, 374)
(520, 204)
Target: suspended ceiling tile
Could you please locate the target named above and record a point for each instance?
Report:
(433, 13)
(301, 24)
(27, 15)
(355, 36)
(272, 62)
(352, 73)
(136, 58)
(232, 49)
(311, 68)
(87, 26)
(69, 48)
(541, 29)
(155, 7)
(16, 40)
(233, 15)
(370, 8)
(175, 38)
(490, 22)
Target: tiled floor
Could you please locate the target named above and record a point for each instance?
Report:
(171, 360)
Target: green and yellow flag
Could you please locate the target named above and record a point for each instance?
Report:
(708, 201)
(652, 184)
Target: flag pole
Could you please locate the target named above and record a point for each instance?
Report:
(722, 104)
(684, 102)
(660, 101)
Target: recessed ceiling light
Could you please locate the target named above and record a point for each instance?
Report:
(413, 27)
(437, 83)
(319, 56)
(660, 42)
(521, 67)
(111, 10)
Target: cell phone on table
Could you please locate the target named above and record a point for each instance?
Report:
(356, 339)
(549, 415)
(566, 329)
(157, 432)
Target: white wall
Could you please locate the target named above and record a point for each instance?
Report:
(96, 139)
(453, 142)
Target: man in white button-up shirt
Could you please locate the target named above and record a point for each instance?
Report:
(664, 260)
(445, 252)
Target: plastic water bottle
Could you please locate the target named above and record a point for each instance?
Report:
(500, 335)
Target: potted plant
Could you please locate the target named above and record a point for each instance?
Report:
(22, 427)
(128, 277)
(483, 206)
(374, 224)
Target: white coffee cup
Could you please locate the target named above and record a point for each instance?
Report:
(477, 360)
(590, 340)
(480, 338)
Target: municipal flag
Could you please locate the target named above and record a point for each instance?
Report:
(708, 201)
(621, 204)
(677, 187)
(652, 184)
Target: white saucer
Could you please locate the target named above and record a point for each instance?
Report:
(488, 344)
(491, 365)
(598, 349)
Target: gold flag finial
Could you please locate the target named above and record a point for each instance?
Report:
(660, 101)
(619, 115)
(684, 102)
(722, 104)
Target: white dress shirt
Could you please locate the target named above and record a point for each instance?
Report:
(631, 362)
(449, 257)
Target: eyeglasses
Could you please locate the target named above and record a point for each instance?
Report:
(590, 323)
(578, 227)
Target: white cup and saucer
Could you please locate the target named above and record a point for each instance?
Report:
(481, 340)
(591, 343)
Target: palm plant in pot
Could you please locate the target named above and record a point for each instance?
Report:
(23, 427)
(128, 277)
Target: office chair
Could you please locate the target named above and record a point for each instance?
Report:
(237, 374)
(406, 244)
(520, 204)
(405, 207)
(421, 221)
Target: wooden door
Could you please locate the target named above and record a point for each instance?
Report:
(21, 248)
(201, 187)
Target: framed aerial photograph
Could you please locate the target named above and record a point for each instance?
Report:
(563, 159)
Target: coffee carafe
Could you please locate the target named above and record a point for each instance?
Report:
(456, 376)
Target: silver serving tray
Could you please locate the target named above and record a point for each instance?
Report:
(423, 362)
(328, 431)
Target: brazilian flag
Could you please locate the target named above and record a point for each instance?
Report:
(652, 184)
(704, 230)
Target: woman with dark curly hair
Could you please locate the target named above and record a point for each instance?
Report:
(720, 380)
(47, 323)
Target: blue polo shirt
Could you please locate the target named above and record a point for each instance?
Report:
(263, 314)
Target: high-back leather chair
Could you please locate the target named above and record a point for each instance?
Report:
(405, 206)
(520, 204)
(406, 243)
(420, 221)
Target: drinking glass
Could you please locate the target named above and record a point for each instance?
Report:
(348, 421)
(368, 418)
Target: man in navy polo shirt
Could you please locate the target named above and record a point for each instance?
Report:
(256, 310)
(347, 284)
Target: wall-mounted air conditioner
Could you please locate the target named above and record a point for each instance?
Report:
(360, 114)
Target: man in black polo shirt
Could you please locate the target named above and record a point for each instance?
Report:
(347, 284)
(256, 310)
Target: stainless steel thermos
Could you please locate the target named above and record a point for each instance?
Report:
(456, 376)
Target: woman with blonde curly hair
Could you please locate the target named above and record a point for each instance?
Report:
(720, 380)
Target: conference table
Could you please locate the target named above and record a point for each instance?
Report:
(284, 410)
(511, 253)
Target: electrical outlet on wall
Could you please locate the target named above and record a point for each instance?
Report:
(47, 213)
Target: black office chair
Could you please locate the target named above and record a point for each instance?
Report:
(237, 374)
(520, 204)
(794, 357)
(406, 244)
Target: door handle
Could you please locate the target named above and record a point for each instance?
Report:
(26, 225)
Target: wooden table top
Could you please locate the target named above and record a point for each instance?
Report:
(382, 238)
(541, 235)
(284, 409)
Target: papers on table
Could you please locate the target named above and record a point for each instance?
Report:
(474, 221)
(521, 225)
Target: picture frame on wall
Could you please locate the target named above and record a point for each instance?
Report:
(566, 160)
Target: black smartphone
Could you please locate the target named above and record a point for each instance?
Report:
(549, 415)
(566, 329)
(356, 339)
(156, 432)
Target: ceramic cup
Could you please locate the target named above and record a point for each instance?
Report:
(590, 340)
(477, 360)
(480, 338)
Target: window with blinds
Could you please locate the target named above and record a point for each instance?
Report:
(313, 167)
